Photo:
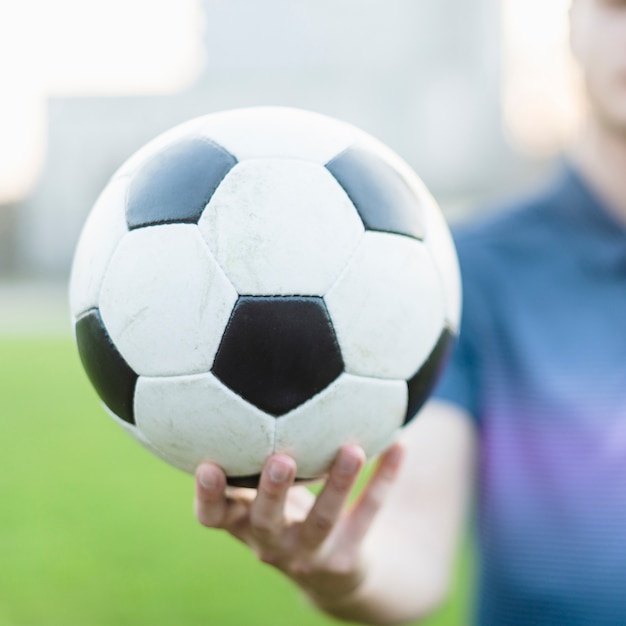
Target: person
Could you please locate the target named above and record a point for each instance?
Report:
(530, 414)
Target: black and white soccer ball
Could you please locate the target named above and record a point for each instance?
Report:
(263, 280)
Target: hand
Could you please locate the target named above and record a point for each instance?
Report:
(317, 542)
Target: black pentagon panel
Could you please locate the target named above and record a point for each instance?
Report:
(107, 370)
(278, 352)
(423, 383)
(381, 196)
(177, 183)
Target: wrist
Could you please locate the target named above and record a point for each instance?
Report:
(337, 591)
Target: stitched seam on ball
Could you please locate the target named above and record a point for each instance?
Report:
(346, 265)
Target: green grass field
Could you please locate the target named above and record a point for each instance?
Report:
(94, 531)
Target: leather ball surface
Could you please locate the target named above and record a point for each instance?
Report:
(264, 280)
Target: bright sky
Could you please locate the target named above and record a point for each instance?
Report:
(541, 93)
(128, 47)
(78, 48)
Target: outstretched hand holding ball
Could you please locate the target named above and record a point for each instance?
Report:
(316, 542)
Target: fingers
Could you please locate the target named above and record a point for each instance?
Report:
(217, 508)
(267, 512)
(330, 503)
(260, 519)
(210, 503)
(374, 494)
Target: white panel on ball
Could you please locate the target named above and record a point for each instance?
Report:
(387, 307)
(439, 242)
(194, 418)
(353, 409)
(437, 239)
(165, 301)
(282, 132)
(103, 230)
(281, 227)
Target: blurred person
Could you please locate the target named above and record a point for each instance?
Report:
(530, 415)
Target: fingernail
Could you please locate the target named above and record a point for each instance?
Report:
(207, 479)
(347, 464)
(395, 455)
(279, 472)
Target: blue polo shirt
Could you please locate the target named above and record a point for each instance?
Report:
(541, 365)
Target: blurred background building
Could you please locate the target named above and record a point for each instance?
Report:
(476, 95)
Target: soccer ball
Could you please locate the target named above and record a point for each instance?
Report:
(263, 280)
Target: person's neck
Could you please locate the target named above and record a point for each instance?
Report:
(600, 156)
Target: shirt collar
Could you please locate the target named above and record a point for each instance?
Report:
(597, 232)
